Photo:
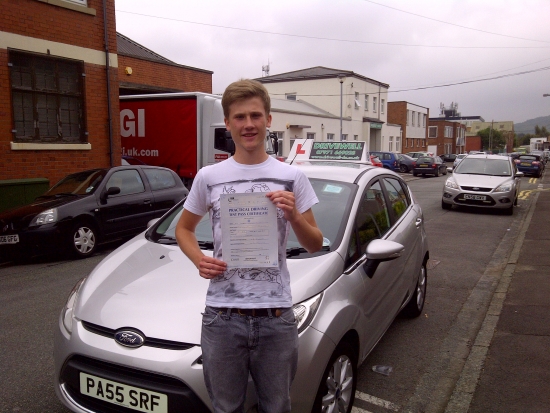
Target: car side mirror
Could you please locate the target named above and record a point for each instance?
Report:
(378, 251)
(113, 190)
(450, 170)
(519, 174)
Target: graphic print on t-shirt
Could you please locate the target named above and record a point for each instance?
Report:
(250, 284)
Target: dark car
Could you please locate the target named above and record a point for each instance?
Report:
(87, 208)
(389, 159)
(530, 164)
(429, 165)
(405, 162)
(448, 157)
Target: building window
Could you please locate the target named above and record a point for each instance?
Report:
(357, 104)
(408, 116)
(424, 120)
(432, 132)
(82, 2)
(310, 135)
(344, 136)
(47, 99)
(382, 104)
(374, 103)
(448, 132)
(330, 136)
(413, 116)
(290, 96)
(355, 137)
(280, 141)
(390, 144)
(419, 119)
(367, 103)
(398, 144)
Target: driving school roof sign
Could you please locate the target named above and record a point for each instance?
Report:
(345, 151)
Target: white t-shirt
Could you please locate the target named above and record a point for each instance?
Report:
(249, 287)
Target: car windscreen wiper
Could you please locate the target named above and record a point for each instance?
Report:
(167, 240)
(206, 245)
(294, 251)
(62, 194)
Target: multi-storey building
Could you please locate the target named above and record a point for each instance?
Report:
(413, 120)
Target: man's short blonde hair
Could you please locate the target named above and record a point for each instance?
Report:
(245, 89)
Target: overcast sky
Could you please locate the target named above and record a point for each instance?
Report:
(408, 44)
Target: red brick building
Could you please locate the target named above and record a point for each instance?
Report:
(59, 110)
(447, 136)
(413, 120)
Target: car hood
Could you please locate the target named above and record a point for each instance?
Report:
(484, 181)
(156, 289)
(36, 207)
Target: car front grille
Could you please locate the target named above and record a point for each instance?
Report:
(180, 397)
(149, 341)
(475, 189)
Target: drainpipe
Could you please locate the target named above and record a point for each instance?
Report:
(107, 73)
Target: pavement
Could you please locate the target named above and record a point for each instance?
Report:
(508, 367)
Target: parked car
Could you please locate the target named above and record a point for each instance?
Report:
(448, 157)
(484, 181)
(530, 164)
(133, 325)
(376, 161)
(458, 159)
(416, 155)
(130, 160)
(406, 163)
(87, 208)
(429, 165)
(389, 159)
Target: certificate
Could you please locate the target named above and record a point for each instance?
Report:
(249, 230)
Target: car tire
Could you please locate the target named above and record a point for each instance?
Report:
(445, 171)
(403, 168)
(509, 211)
(337, 393)
(416, 304)
(445, 205)
(415, 174)
(437, 173)
(83, 240)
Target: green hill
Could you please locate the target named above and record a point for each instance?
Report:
(529, 125)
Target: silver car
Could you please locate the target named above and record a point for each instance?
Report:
(458, 159)
(129, 334)
(484, 181)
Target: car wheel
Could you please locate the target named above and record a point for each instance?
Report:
(403, 168)
(83, 240)
(445, 205)
(509, 211)
(445, 171)
(415, 174)
(337, 390)
(437, 173)
(416, 304)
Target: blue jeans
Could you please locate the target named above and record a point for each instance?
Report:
(234, 346)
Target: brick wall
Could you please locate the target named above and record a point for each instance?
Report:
(150, 73)
(44, 21)
(32, 18)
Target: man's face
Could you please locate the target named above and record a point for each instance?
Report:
(247, 123)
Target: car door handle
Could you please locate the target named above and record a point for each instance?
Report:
(147, 201)
(418, 222)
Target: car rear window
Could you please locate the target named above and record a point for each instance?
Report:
(424, 159)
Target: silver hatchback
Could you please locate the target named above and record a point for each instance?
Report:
(483, 181)
(129, 334)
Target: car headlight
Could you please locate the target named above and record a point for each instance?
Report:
(68, 310)
(45, 217)
(451, 184)
(305, 311)
(505, 187)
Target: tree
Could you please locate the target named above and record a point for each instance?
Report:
(491, 139)
(541, 132)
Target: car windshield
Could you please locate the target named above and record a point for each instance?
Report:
(331, 215)
(484, 166)
(460, 156)
(80, 183)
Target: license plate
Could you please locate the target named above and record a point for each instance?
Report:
(9, 239)
(131, 397)
(475, 197)
(423, 166)
(526, 164)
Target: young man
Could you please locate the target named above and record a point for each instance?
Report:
(248, 324)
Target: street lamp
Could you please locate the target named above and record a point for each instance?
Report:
(341, 78)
